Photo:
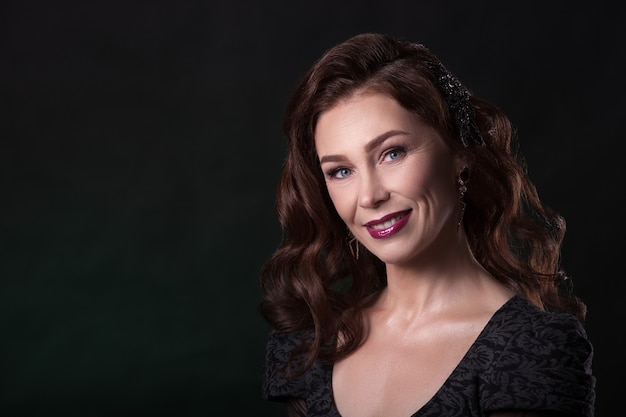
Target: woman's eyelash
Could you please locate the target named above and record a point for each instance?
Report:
(399, 150)
(332, 173)
(394, 153)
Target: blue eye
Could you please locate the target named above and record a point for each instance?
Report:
(340, 173)
(394, 154)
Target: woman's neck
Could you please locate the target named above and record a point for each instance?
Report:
(436, 282)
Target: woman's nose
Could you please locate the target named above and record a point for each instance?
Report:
(372, 191)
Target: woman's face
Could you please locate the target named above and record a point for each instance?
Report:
(391, 177)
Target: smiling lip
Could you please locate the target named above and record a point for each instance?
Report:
(388, 225)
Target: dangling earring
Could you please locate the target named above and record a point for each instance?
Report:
(353, 245)
(463, 179)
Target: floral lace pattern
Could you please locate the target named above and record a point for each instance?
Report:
(524, 358)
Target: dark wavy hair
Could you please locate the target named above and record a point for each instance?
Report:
(313, 283)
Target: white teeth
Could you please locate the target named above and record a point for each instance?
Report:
(387, 223)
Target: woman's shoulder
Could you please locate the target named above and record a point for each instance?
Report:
(520, 326)
(533, 351)
(519, 315)
(281, 379)
(280, 345)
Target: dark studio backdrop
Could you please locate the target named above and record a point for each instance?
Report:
(140, 147)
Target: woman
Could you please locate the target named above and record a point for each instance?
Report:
(419, 271)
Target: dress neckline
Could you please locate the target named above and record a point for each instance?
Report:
(466, 357)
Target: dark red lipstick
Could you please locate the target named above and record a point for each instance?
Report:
(388, 225)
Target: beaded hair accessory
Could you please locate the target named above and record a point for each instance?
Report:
(458, 99)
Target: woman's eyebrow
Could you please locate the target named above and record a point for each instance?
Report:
(371, 145)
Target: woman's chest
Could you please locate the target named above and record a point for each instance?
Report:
(394, 377)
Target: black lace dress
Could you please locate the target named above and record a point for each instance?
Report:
(524, 358)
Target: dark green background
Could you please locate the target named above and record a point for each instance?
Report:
(140, 147)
